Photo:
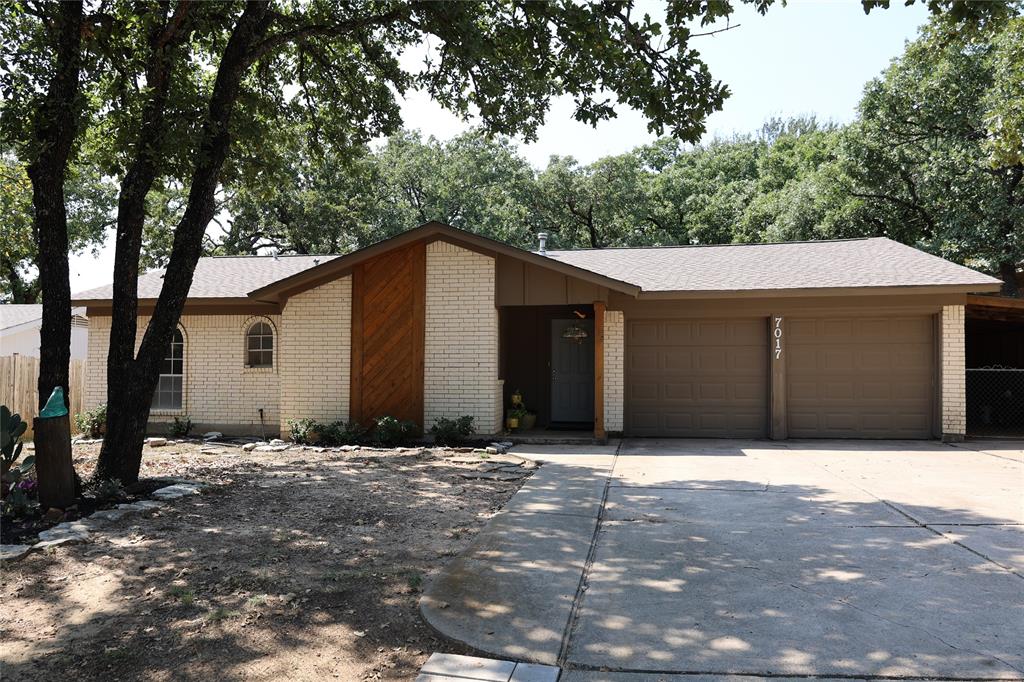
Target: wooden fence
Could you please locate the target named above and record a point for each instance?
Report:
(18, 376)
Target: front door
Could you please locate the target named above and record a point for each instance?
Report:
(572, 372)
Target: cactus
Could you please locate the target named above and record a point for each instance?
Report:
(11, 430)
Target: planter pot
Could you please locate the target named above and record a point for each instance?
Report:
(512, 423)
(528, 422)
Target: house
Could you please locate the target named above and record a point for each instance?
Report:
(859, 338)
(19, 330)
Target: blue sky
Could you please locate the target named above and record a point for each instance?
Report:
(804, 58)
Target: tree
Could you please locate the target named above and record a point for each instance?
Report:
(90, 201)
(176, 83)
(923, 161)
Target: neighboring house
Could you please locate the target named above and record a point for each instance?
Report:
(860, 338)
(19, 330)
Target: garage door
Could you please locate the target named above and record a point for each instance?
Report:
(860, 377)
(697, 378)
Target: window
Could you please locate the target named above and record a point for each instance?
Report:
(259, 346)
(168, 389)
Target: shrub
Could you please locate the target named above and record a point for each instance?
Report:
(181, 427)
(92, 423)
(391, 433)
(343, 433)
(305, 431)
(109, 490)
(452, 432)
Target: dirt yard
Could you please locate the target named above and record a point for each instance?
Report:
(293, 565)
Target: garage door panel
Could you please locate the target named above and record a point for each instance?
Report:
(711, 378)
(873, 380)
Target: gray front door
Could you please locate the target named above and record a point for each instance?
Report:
(572, 373)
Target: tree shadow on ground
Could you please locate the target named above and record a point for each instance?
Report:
(300, 570)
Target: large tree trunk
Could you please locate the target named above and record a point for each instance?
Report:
(55, 130)
(132, 378)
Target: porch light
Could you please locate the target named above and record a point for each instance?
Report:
(574, 333)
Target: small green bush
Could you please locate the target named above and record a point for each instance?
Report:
(452, 432)
(92, 423)
(305, 431)
(342, 433)
(392, 433)
(181, 427)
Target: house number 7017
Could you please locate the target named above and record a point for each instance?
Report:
(777, 333)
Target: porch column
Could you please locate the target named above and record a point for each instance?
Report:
(599, 308)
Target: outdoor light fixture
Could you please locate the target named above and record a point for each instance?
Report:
(574, 333)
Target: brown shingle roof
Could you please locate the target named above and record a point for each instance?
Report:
(219, 277)
(841, 264)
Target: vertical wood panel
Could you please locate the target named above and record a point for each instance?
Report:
(388, 335)
(356, 362)
(599, 308)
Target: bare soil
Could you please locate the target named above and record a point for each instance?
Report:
(294, 565)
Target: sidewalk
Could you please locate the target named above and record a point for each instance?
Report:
(537, 545)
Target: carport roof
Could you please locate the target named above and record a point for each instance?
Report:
(869, 263)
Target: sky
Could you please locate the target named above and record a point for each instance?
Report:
(799, 59)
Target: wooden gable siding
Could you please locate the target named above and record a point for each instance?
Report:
(388, 327)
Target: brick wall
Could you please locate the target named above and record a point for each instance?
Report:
(219, 391)
(461, 344)
(316, 353)
(614, 373)
(953, 377)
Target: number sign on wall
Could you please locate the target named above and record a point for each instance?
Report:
(777, 337)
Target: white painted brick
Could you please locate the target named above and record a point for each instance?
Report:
(218, 388)
(614, 376)
(461, 344)
(953, 379)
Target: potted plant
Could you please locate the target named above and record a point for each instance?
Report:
(523, 418)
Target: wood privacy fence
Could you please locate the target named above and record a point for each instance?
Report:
(18, 376)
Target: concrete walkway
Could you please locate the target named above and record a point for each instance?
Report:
(688, 560)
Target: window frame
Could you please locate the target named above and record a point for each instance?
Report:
(156, 407)
(266, 335)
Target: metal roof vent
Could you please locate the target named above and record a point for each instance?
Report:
(542, 237)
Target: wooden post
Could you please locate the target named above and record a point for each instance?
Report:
(599, 308)
(779, 422)
(54, 469)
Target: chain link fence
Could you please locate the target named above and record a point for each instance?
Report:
(995, 401)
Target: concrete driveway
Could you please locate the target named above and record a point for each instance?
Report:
(682, 559)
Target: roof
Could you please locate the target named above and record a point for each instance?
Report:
(873, 262)
(16, 314)
(219, 277)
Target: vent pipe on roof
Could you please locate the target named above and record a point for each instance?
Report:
(543, 238)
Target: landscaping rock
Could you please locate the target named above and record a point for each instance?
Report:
(68, 540)
(272, 448)
(491, 450)
(13, 552)
(156, 442)
(141, 505)
(110, 514)
(249, 447)
(492, 475)
(276, 441)
(71, 531)
(177, 490)
(212, 435)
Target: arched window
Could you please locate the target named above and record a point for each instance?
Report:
(172, 369)
(259, 346)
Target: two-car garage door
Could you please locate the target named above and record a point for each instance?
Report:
(849, 377)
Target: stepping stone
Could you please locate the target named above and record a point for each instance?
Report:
(175, 491)
(13, 552)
